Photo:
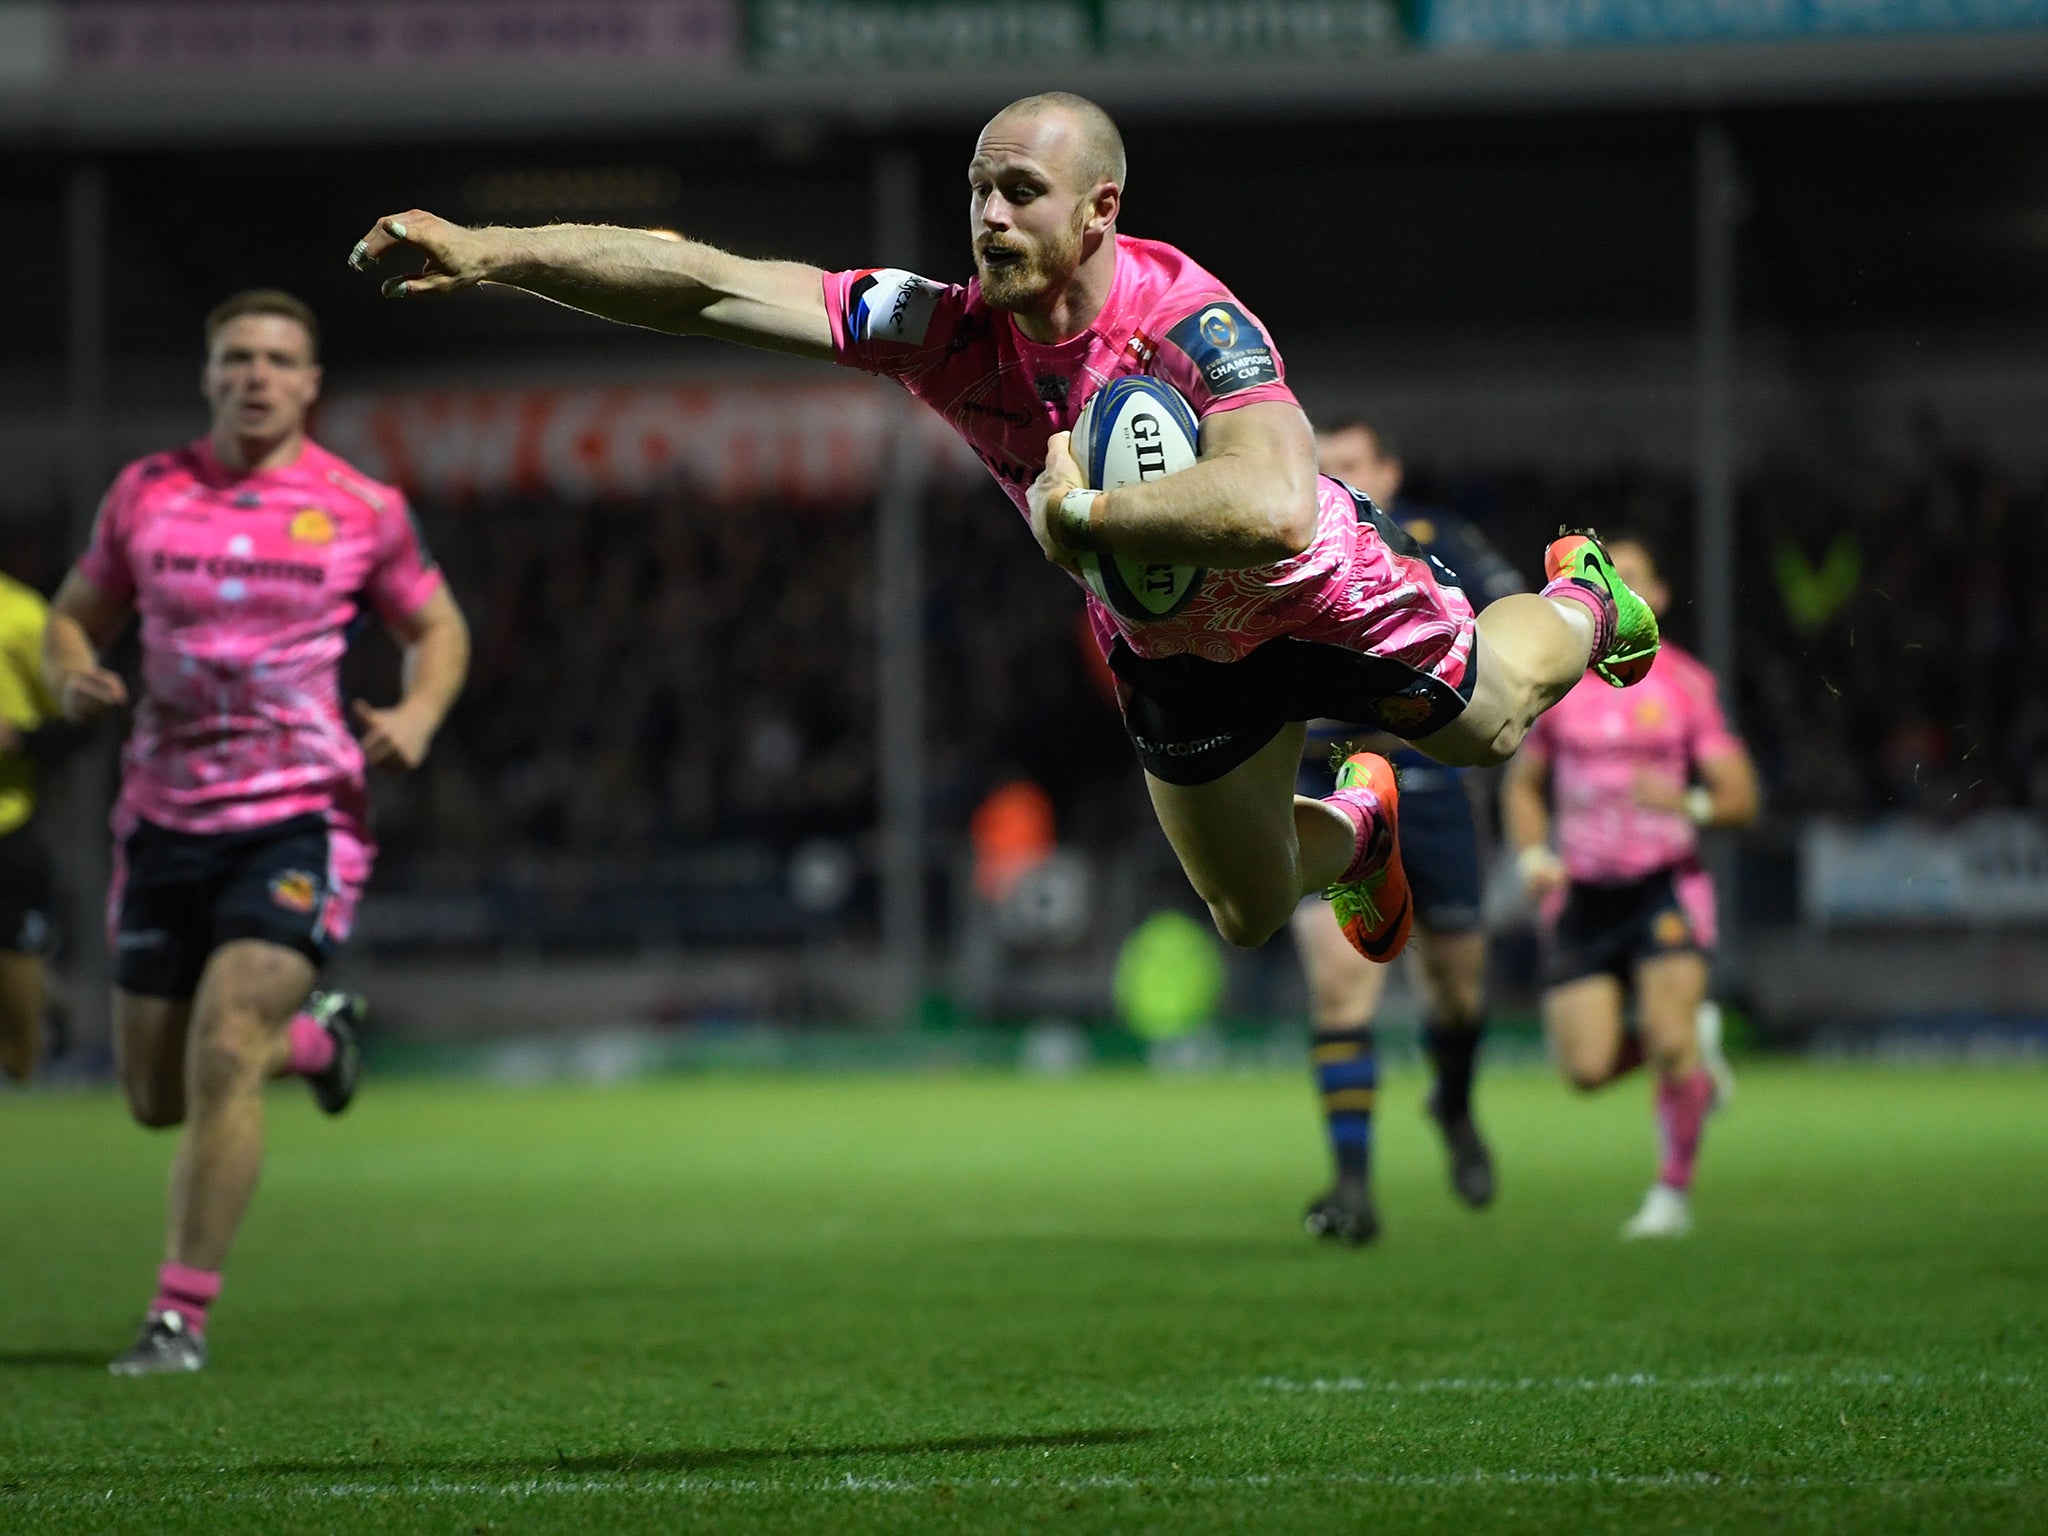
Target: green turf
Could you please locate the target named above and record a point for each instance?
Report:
(844, 1305)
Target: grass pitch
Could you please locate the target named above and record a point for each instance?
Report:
(994, 1304)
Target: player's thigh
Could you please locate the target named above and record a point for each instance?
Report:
(150, 1035)
(1453, 967)
(1582, 1019)
(1344, 987)
(21, 1013)
(1669, 991)
(1234, 836)
(250, 990)
(1494, 720)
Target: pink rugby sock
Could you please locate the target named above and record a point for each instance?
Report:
(1681, 1114)
(1569, 589)
(187, 1292)
(312, 1047)
(1361, 807)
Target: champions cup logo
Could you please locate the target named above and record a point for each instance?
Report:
(1219, 327)
(1148, 446)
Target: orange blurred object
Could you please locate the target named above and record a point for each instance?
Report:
(1012, 832)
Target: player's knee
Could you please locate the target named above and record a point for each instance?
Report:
(1588, 1076)
(230, 1056)
(153, 1105)
(1244, 926)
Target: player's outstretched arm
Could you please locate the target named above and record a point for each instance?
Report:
(435, 639)
(627, 275)
(1249, 500)
(82, 620)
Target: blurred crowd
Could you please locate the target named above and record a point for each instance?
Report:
(673, 672)
(1892, 643)
(677, 671)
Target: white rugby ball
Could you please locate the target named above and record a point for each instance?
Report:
(1134, 429)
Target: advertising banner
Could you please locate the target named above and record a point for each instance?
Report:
(811, 442)
(1483, 24)
(325, 36)
(839, 34)
(1992, 869)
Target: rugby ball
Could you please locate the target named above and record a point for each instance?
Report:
(1135, 429)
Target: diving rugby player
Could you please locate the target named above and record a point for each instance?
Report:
(1307, 607)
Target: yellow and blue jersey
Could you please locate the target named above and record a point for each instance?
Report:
(24, 704)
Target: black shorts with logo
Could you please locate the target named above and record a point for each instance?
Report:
(179, 896)
(1194, 720)
(1608, 930)
(1439, 836)
(25, 891)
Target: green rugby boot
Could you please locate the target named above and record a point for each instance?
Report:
(1631, 646)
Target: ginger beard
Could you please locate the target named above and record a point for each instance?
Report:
(1025, 274)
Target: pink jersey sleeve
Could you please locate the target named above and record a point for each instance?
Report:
(402, 573)
(891, 322)
(105, 561)
(1219, 356)
(1706, 727)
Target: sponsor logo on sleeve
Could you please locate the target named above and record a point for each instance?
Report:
(892, 305)
(1230, 350)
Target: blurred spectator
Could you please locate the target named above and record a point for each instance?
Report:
(1012, 834)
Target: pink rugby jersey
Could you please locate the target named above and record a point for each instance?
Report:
(1598, 739)
(1165, 316)
(245, 585)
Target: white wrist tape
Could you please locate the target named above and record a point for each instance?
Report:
(1073, 520)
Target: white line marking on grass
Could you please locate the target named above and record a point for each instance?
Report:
(850, 1483)
(1630, 1381)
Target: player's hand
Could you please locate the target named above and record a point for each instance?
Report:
(1062, 474)
(393, 738)
(90, 692)
(1655, 792)
(454, 256)
(1542, 871)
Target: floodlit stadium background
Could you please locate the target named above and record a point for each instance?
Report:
(754, 642)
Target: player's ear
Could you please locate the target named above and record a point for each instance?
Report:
(313, 377)
(1107, 203)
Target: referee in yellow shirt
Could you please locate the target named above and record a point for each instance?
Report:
(31, 732)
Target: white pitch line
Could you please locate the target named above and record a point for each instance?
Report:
(1630, 1381)
(628, 1483)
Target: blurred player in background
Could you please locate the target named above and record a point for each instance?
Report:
(1305, 609)
(1440, 852)
(241, 836)
(1629, 911)
(31, 734)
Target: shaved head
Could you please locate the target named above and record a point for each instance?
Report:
(1096, 150)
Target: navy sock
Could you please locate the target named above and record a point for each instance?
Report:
(1453, 1051)
(1347, 1072)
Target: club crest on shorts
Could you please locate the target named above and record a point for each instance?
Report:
(1671, 930)
(310, 525)
(1404, 712)
(295, 890)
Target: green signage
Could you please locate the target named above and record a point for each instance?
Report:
(842, 34)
